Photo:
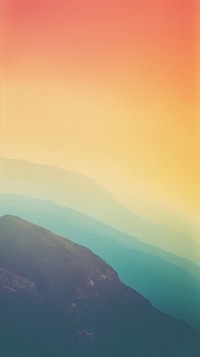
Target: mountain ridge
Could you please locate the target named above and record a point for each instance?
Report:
(87, 196)
(79, 302)
(138, 267)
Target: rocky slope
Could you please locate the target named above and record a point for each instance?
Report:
(59, 299)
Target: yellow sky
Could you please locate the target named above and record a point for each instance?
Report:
(109, 94)
(93, 131)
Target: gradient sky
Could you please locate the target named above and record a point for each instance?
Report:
(107, 89)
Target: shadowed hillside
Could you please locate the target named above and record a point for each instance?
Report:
(59, 298)
(153, 272)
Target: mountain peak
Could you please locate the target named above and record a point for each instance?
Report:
(9, 218)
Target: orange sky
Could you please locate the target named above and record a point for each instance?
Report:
(107, 89)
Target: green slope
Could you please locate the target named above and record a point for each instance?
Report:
(139, 265)
(50, 308)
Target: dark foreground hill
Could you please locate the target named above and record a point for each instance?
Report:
(139, 265)
(59, 299)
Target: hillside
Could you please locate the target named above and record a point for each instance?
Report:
(59, 298)
(141, 266)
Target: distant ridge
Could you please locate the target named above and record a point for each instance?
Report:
(85, 195)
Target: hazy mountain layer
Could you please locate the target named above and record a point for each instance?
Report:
(85, 195)
(57, 298)
(142, 266)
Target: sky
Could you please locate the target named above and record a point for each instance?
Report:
(107, 89)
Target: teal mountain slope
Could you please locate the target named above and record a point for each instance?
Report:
(154, 273)
(85, 195)
(59, 299)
